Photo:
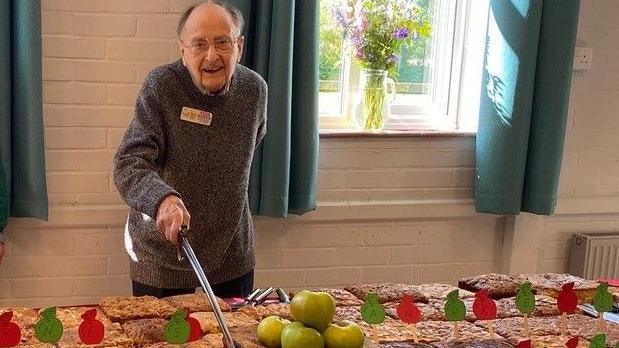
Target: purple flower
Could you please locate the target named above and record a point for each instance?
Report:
(362, 23)
(359, 53)
(356, 38)
(401, 33)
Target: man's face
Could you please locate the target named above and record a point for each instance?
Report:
(211, 46)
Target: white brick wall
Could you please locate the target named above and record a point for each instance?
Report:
(390, 209)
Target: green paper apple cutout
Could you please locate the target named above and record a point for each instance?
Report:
(313, 309)
(297, 335)
(455, 310)
(525, 300)
(347, 335)
(598, 341)
(372, 311)
(603, 299)
(177, 330)
(48, 329)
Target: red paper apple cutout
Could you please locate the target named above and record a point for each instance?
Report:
(484, 307)
(10, 335)
(407, 311)
(567, 301)
(91, 330)
(195, 331)
(572, 342)
(524, 344)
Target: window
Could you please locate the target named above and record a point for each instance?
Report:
(437, 79)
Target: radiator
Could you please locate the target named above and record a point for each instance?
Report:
(594, 255)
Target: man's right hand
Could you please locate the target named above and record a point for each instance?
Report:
(171, 215)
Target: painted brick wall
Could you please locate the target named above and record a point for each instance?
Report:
(590, 174)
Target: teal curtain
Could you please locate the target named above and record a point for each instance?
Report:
(524, 103)
(281, 44)
(23, 191)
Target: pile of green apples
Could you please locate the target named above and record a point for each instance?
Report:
(312, 327)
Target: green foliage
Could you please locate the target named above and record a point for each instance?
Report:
(330, 45)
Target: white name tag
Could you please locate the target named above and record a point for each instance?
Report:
(196, 116)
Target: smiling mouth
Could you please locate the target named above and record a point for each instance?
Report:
(212, 70)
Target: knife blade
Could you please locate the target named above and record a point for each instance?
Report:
(195, 264)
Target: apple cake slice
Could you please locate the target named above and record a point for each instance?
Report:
(387, 292)
(124, 308)
(196, 303)
(498, 285)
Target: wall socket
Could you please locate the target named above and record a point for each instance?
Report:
(582, 58)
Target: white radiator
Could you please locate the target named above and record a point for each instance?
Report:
(595, 255)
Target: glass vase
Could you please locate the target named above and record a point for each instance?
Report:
(373, 100)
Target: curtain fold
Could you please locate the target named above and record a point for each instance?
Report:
(282, 46)
(524, 103)
(23, 192)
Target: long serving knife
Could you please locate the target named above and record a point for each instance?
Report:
(193, 260)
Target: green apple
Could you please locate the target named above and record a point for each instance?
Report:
(348, 335)
(297, 335)
(270, 331)
(314, 309)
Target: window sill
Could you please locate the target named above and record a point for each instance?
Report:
(413, 133)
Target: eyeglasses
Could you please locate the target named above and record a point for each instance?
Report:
(200, 47)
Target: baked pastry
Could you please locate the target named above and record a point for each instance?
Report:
(440, 291)
(260, 312)
(387, 292)
(145, 331)
(405, 344)
(114, 337)
(550, 284)
(244, 336)
(443, 332)
(498, 285)
(209, 324)
(390, 330)
(72, 316)
(544, 307)
(586, 327)
(439, 306)
(341, 297)
(196, 303)
(25, 318)
(513, 328)
(555, 342)
(427, 310)
(121, 308)
(497, 342)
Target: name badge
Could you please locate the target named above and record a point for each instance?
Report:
(196, 116)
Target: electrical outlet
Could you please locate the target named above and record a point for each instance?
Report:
(582, 58)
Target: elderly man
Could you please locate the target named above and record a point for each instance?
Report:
(185, 160)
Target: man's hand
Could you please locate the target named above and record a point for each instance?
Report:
(171, 215)
(1, 251)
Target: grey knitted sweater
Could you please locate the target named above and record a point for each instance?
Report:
(206, 165)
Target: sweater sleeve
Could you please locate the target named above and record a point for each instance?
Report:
(137, 161)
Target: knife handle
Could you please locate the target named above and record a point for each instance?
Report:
(184, 230)
(252, 295)
(263, 296)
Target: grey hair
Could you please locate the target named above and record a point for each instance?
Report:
(235, 14)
